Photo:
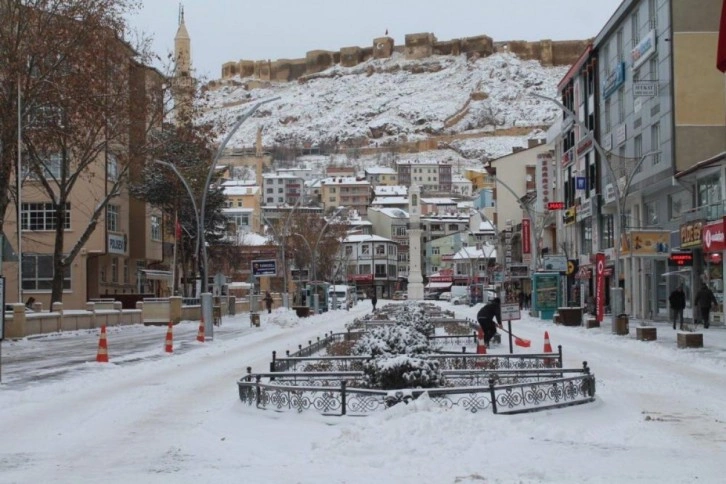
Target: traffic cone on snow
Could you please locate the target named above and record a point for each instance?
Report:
(481, 348)
(169, 346)
(102, 355)
(200, 333)
(547, 349)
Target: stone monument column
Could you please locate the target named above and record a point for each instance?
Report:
(415, 279)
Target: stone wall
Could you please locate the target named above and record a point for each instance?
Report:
(417, 46)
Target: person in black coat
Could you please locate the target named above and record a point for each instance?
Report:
(705, 300)
(374, 299)
(268, 301)
(677, 299)
(486, 316)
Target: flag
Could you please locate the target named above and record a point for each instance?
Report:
(721, 55)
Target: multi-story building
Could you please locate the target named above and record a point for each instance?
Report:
(430, 175)
(372, 263)
(392, 223)
(242, 208)
(381, 176)
(281, 189)
(656, 105)
(347, 192)
(436, 226)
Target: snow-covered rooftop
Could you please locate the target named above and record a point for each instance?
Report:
(396, 190)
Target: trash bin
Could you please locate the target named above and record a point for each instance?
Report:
(622, 326)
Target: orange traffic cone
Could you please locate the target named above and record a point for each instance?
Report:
(481, 348)
(169, 346)
(200, 333)
(102, 355)
(548, 349)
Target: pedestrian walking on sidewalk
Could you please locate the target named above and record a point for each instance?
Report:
(705, 300)
(374, 299)
(677, 299)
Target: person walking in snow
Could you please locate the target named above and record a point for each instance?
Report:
(677, 299)
(374, 299)
(705, 300)
(268, 301)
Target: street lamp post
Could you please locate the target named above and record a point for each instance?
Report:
(620, 196)
(212, 168)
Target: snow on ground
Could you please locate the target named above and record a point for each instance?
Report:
(155, 418)
(385, 101)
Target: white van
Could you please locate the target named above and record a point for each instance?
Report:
(343, 295)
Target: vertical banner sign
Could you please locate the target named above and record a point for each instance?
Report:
(526, 238)
(600, 285)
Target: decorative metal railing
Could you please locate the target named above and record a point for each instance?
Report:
(332, 393)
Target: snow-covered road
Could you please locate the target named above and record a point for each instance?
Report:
(152, 417)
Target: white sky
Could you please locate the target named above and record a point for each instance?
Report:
(230, 30)
(149, 417)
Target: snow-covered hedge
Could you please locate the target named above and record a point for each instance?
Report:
(391, 341)
(402, 371)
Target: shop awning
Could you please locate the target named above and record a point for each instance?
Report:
(438, 285)
(156, 275)
(680, 273)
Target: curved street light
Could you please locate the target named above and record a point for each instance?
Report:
(620, 197)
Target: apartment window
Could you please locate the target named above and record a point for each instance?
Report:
(621, 105)
(112, 218)
(114, 269)
(655, 142)
(50, 166)
(126, 271)
(332, 189)
(270, 190)
(653, 67)
(400, 231)
(111, 167)
(156, 228)
(280, 190)
(270, 200)
(348, 250)
(638, 146)
(381, 270)
(42, 216)
(365, 249)
(652, 15)
(38, 272)
(380, 249)
(635, 27)
(651, 213)
(606, 58)
(677, 204)
(619, 45)
(435, 250)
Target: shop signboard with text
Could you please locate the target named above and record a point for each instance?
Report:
(713, 237)
(646, 243)
(691, 234)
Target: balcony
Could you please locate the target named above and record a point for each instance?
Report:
(711, 212)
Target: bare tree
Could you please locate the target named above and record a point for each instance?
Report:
(87, 103)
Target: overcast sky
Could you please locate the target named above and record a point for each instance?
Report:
(230, 30)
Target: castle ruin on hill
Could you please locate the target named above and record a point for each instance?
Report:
(417, 46)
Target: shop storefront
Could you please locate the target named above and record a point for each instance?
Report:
(713, 246)
(645, 254)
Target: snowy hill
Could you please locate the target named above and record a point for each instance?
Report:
(388, 101)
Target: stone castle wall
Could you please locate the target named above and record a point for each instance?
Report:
(416, 46)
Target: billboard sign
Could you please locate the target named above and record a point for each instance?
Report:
(267, 267)
(556, 263)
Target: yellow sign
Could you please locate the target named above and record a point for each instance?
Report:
(650, 243)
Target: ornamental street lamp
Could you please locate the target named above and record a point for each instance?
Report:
(620, 199)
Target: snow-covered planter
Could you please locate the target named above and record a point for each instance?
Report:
(392, 340)
(396, 372)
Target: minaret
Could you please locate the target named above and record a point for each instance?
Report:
(415, 280)
(183, 82)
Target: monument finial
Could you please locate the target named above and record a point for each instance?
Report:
(181, 13)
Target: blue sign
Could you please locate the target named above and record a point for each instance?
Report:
(581, 183)
(264, 268)
(614, 80)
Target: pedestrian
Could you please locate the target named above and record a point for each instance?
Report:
(486, 316)
(677, 299)
(705, 300)
(521, 298)
(268, 301)
(528, 301)
(374, 299)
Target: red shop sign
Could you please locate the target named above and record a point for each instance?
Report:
(713, 237)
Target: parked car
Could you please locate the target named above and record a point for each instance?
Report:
(400, 296)
(445, 296)
(431, 296)
(460, 300)
(361, 294)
